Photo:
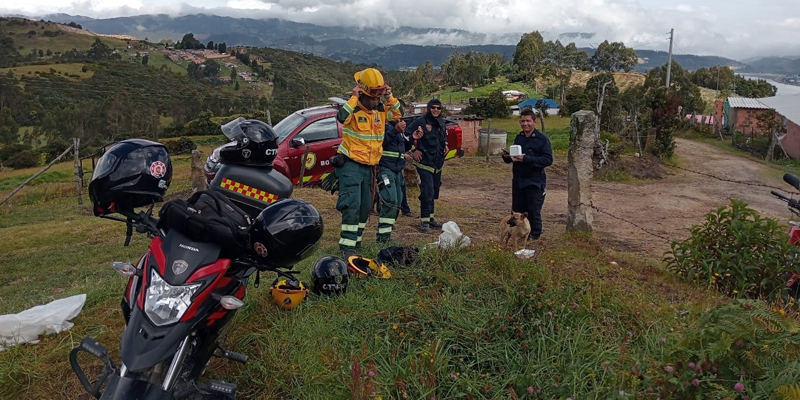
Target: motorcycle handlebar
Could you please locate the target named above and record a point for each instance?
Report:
(780, 196)
(792, 202)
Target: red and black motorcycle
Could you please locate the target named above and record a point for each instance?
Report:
(793, 283)
(187, 286)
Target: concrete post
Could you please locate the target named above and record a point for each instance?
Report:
(579, 190)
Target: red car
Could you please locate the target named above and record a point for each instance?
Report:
(316, 132)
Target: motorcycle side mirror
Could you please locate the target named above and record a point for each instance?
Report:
(298, 142)
(125, 269)
(792, 180)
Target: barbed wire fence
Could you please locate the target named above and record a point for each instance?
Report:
(37, 174)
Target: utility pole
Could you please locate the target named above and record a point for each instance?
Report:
(669, 60)
(718, 68)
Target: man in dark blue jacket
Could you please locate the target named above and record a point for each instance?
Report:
(529, 182)
(429, 155)
(390, 178)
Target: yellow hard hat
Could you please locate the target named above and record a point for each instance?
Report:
(370, 82)
(367, 267)
(288, 294)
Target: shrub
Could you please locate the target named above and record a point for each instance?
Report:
(183, 145)
(24, 159)
(54, 148)
(10, 150)
(737, 252)
(744, 348)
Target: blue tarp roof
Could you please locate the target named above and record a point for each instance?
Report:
(532, 102)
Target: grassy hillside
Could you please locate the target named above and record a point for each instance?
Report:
(58, 38)
(301, 79)
(622, 79)
(456, 95)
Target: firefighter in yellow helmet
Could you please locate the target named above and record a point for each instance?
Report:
(363, 120)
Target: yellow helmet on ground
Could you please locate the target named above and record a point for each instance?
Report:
(288, 294)
(370, 82)
(367, 267)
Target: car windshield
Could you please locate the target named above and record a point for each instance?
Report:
(288, 125)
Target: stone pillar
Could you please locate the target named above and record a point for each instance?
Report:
(198, 177)
(579, 190)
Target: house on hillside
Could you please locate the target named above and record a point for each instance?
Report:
(740, 114)
(551, 104)
(789, 109)
(514, 95)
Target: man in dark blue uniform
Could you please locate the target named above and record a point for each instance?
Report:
(391, 184)
(529, 182)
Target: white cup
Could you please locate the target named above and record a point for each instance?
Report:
(515, 150)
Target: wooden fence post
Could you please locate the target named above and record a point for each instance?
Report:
(76, 144)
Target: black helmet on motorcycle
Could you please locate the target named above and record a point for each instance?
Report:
(132, 173)
(256, 143)
(286, 232)
(329, 276)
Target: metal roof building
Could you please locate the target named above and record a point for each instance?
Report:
(746, 102)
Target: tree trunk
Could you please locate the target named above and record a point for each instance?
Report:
(600, 99)
(636, 128)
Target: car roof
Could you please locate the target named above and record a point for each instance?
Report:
(314, 111)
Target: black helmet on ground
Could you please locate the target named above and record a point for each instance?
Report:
(132, 173)
(256, 143)
(329, 276)
(286, 232)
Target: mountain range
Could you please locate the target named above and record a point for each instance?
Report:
(403, 47)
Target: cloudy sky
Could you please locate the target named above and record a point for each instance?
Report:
(733, 28)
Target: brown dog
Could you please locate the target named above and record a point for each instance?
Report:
(515, 227)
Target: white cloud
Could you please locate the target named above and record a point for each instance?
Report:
(248, 5)
(711, 27)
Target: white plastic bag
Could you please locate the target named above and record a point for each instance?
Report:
(452, 236)
(524, 254)
(52, 317)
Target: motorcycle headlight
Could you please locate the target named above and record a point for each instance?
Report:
(164, 303)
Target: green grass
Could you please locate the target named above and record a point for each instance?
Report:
(157, 59)
(471, 323)
(47, 177)
(456, 95)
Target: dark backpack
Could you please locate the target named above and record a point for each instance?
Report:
(210, 217)
(398, 257)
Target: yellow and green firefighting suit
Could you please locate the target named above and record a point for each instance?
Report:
(362, 144)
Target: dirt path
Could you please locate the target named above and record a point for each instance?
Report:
(665, 206)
